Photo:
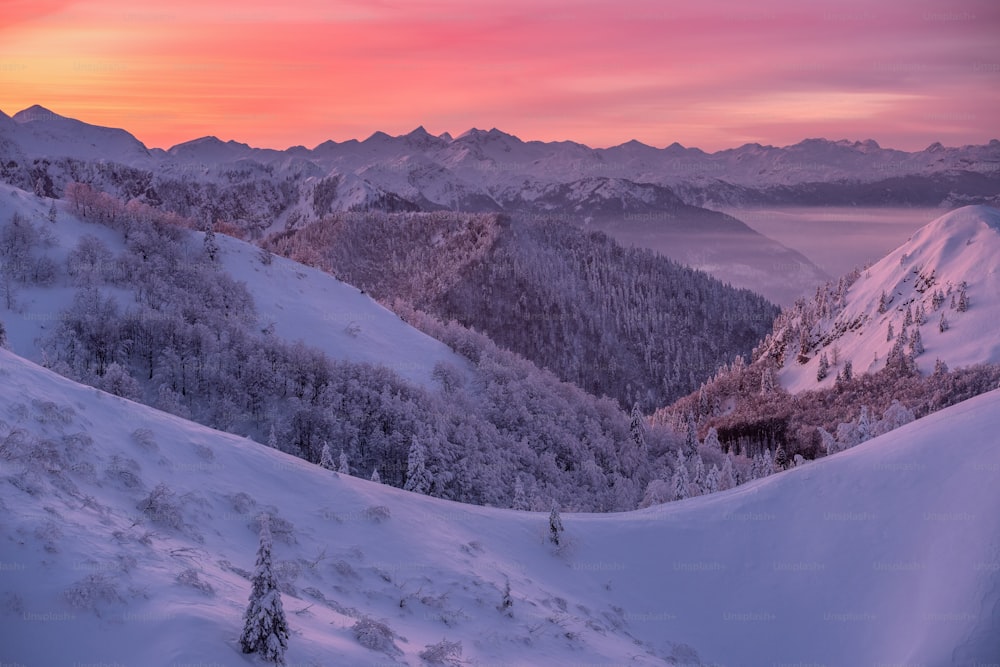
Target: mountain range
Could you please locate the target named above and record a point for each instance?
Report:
(631, 191)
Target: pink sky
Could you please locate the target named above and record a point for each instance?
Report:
(707, 73)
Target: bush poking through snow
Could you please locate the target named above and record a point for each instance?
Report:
(375, 635)
(377, 513)
(442, 653)
(161, 508)
(189, 577)
(92, 592)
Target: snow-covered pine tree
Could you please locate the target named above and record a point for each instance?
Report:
(943, 324)
(326, 458)
(418, 478)
(636, 454)
(680, 481)
(375, 476)
(690, 436)
(211, 245)
(272, 439)
(916, 343)
(890, 334)
(265, 628)
(699, 474)
(342, 465)
(727, 477)
(963, 299)
(712, 440)
(828, 441)
(883, 303)
(712, 479)
(506, 602)
(824, 367)
(555, 526)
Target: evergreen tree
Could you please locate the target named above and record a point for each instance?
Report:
(963, 300)
(943, 324)
(680, 481)
(418, 478)
(342, 466)
(712, 479)
(890, 334)
(712, 440)
(3, 336)
(265, 628)
(864, 425)
(940, 368)
(375, 476)
(657, 493)
(326, 458)
(690, 436)
(272, 439)
(824, 367)
(780, 459)
(699, 474)
(916, 343)
(637, 454)
(727, 477)
(211, 245)
(828, 441)
(883, 303)
(555, 526)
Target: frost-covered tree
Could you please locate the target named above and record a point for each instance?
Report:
(272, 439)
(943, 324)
(712, 440)
(883, 303)
(727, 476)
(342, 466)
(690, 435)
(712, 479)
(265, 628)
(375, 476)
(211, 245)
(520, 501)
(555, 526)
(824, 367)
(418, 477)
(326, 458)
(828, 442)
(890, 334)
(680, 482)
(963, 299)
(635, 454)
(3, 336)
(657, 493)
(916, 343)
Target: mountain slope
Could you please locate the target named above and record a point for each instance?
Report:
(886, 554)
(948, 271)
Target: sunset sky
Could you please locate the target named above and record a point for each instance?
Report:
(704, 73)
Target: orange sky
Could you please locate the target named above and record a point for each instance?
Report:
(709, 73)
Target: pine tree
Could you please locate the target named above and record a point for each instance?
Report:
(712, 479)
(680, 482)
(712, 440)
(555, 526)
(418, 478)
(637, 454)
(943, 324)
(211, 245)
(916, 343)
(326, 458)
(265, 628)
(883, 303)
(864, 425)
(890, 334)
(824, 368)
(375, 476)
(691, 436)
(272, 439)
(828, 441)
(780, 458)
(727, 477)
(940, 368)
(963, 300)
(699, 474)
(342, 466)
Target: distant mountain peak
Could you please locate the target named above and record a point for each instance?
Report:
(36, 112)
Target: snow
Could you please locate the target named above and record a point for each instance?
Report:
(309, 305)
(300, 302)
(884, 554)
(963, 245)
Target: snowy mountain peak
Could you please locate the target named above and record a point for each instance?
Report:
(937, 296)
(35, 113)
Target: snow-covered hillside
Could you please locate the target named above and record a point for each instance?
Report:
(885, 554)
(297, 302)
(944, 283)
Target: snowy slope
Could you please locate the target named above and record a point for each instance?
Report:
(299, 302)
(961, 246)
(884, 554)
(310, 305)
